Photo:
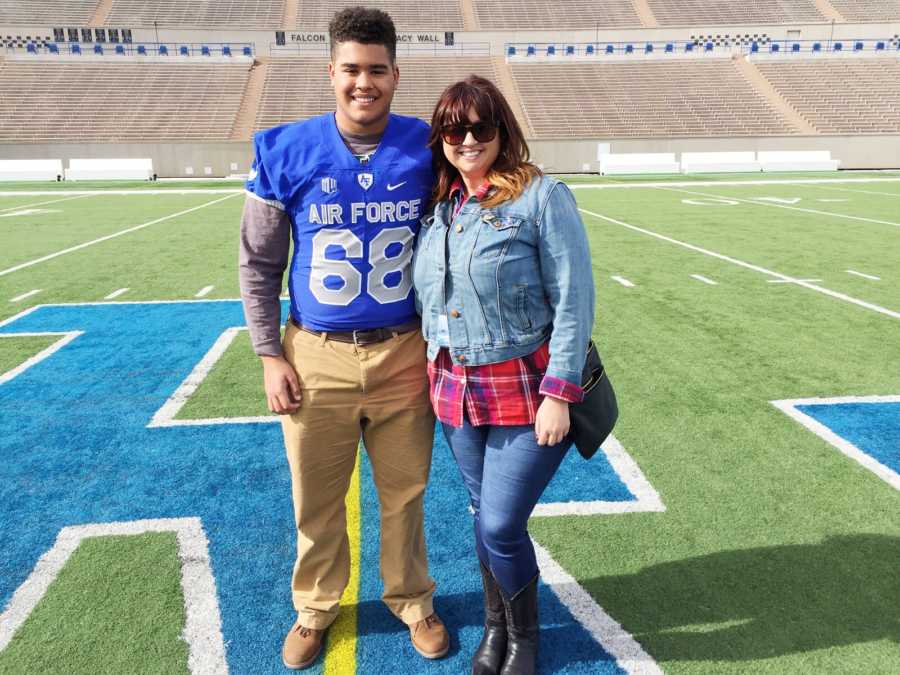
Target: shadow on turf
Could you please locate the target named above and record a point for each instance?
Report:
(760, 602)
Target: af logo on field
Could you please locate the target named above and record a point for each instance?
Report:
(365, 180)
(124, 462)
(329, 185)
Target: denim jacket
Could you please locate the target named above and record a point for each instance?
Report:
(507, 278)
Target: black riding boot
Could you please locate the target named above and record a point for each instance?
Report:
(522, 631)
(488, 658)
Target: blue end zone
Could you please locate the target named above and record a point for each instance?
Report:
(76, 449)
(873, 427)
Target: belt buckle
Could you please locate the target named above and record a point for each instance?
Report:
(356, 338)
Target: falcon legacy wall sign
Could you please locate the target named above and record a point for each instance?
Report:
(446, 38)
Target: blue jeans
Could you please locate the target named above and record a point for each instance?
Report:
(505, 472)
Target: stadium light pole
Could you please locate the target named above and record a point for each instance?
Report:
(156, 28)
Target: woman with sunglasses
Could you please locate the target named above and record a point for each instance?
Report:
(503, 280)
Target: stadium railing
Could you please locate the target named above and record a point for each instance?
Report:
(850, 46)
(322, 49)
(174, 49)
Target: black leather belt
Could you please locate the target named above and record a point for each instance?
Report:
(366, 336)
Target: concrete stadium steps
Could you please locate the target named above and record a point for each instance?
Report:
(47, 12)
(255, 14)
(687, 98)
(541, 15)
(71, 102)
(408, 15)
(298, 87)
(712, 12)
(840, 96)
(868, 10)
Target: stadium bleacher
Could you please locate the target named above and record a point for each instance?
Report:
(72, 102)
(42, 12)
(644, 99)
(535, 14)
(868, 10)
(408, 15)
(259, 14)
(703, 12)
(841, 95)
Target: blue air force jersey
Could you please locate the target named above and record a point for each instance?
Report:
(353, 224)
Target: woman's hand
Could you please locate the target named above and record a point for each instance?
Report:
(551, 424)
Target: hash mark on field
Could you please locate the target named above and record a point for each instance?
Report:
(864, 276)
(26, 295)
(750, 266)
(623, 281)
(790, 281)
(832, 201)
(705, 280)
(109, 236)
(204, 291)
(116, 294)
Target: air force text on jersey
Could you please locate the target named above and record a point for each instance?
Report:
(370, 212)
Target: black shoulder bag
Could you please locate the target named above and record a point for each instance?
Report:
(592, 420)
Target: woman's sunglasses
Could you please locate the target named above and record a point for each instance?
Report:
(455, 134)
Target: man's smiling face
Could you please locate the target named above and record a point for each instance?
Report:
(364, 80)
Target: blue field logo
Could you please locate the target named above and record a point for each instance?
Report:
(93, 445)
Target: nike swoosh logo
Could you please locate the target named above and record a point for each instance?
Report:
(253, 174)
(391, 188)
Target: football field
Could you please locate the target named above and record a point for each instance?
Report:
(745, 518)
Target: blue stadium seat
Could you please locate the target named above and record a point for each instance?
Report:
(754, 47)
(629, 49)
(120, 49)
(32, 48)
(530, 51)
(52, 48)
(795, 47)
(98, 49)
(708, 46)
(226, 50)
(247, 51)
(838, 47)
(184, 51)
(163, 50)
(648, 48)
(669, 48)
(610, 49)
(76, 48)
(590, 50)
(204, 50)
(142, 50)
(688, 46)
(817, 46)
(551, 50)
(511, 50)
(570, 50)
(775, 47)
(879, 46)
(858, 47)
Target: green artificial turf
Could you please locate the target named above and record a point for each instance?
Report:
(15, 350)
(61, 186)
(116, 607)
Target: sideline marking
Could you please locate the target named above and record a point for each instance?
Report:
(65, 338)
(859, 192)
(758, 201)
(27, 212)
(627, 652)
(88, 193)
(116, 294)
(110, 236)
(34, 291)
(646, 497)
(712, 183)
(789, 407)
(864, 276)
(203, 622)
(204, 291)
(750, 266)
(623, 281)
(28, 206)
(705, 280)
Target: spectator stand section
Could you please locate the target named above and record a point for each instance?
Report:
(143, 50)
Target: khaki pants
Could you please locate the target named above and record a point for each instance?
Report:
(379, 391)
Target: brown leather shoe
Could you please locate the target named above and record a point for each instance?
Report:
(429, 637)
(301, 646)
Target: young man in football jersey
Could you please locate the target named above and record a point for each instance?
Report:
(349, 187)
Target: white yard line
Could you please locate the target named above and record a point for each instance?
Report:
(858, 192)
(117, 293)
(186, 191)
(789, 407)
(756, 268)
(64, 339)
(34, 291)
(712, 183)
(783, 206)
(705, 280)
(204, 291)
(52, 201)
(203, 620)
(863, 275)
(623, 281)
(16, 268)
(792, 281)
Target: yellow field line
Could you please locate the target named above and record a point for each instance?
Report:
(340, 657)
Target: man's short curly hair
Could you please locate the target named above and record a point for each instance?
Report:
(365, 25)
